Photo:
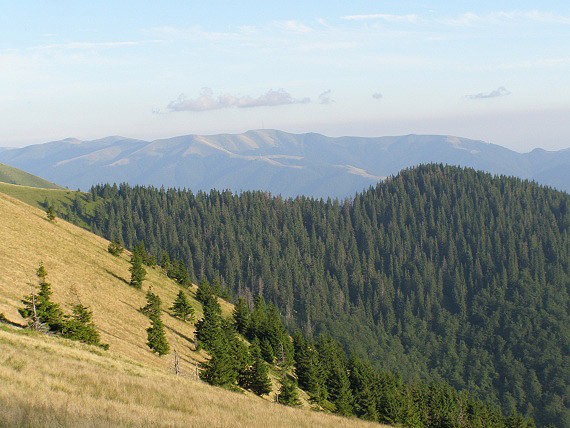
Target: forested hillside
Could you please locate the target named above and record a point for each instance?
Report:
(439, 272)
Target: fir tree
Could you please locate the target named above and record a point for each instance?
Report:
(288, 393)
(220, 369)
(138, 272)
(258, 374)
(79, 326)
(209, 329)
(153, 304)
(156, 336)
(115, 247)
(182, 308)
(40, 308)
(50, 213)
(242, 316)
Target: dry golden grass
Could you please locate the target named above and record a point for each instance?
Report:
(50, 381)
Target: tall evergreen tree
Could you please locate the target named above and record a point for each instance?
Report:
(153, 304)
(182, 308)
(156, 336)
(258, 374)
(40, 308)
(79, 326)
(288, 393)
(138, 272)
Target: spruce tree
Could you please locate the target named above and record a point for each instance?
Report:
(156, 336)
(219, 370)
(209, 329)
(50, 213)
(153, 304)
(116, 247)
(79, 326)
(258, 374)
(138, 272)
(242, 316)
(155, 333)
(182, 308)
(288, 393)
(40, 308)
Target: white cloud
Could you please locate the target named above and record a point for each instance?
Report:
(325, 97)
(85, 45)
(207, 101)
(470, 18)
(293, 26)
(499, 92)
(411, 19)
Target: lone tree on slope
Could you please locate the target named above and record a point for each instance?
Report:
(182, 307)
(138, 272)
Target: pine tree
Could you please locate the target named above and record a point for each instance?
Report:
(156, 336)
(182, 307)
(116, 247)
(50, 213)
(138, 272)
(79, 326)
(258, 374)
(40, 308)
(219, 370)
(288, 393)
(153, 304)
(209, 329)
(242, 316)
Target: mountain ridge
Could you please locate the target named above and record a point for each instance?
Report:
(279, 162)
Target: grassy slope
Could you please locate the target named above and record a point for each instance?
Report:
(12, 175)
(36, 196)
(78, 264)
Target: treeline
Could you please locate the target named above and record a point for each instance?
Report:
(441, 273)
(334, 382)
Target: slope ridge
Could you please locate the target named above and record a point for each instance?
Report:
(283, 163)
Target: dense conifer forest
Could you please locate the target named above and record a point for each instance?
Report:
(438, 273)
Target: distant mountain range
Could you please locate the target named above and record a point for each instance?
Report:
(275, 161)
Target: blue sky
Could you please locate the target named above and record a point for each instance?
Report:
(497, 71)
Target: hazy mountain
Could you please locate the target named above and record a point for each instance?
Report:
(276, 161)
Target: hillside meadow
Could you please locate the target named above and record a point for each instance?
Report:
(49, 381)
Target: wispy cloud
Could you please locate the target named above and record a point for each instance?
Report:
(293, 26)
(411, 19)
(377, 95)
(86, 45)
(471, 19)
(207, 101)
(325, 97)
(499, 92)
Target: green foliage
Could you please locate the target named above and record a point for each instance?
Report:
(209, 328)
(156, 336)
(182, 308)
(439, 272)
(256, 377)
(79, 326)
(138, 272)
(153, 304)
(220, 369)
(288, 394)
(50, 213)
(242, 316)
(41, 311)
(43, 314)
(115, 247)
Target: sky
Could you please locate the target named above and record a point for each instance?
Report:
(497, 71)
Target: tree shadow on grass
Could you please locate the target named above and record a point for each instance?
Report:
(114, 275)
